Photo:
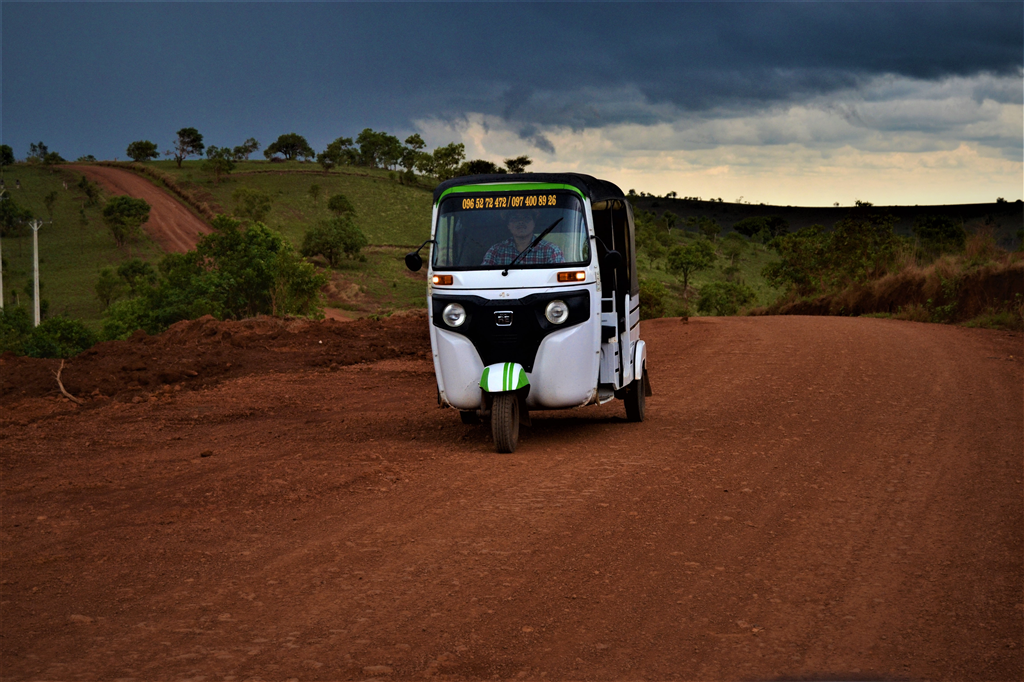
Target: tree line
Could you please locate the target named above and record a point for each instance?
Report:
(370, 149)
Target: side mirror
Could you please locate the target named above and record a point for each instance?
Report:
(413, 261)
(613, 259)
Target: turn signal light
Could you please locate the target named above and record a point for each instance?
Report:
(442, 279)
(575, 276)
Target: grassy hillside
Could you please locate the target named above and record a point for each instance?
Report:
(388, 213)
(72, 249)
(750, 264)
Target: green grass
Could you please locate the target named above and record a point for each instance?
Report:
(383, 282)
(387, 212)
(71, 254)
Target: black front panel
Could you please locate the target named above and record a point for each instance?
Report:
(499, 339)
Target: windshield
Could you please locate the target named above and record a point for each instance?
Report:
(491, 230)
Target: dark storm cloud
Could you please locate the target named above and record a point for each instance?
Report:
(143, 70)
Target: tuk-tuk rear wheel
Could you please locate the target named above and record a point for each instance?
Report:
(635, 399)
(505, 421)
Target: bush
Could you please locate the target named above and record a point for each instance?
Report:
(59, 337)
(652, 299)
(724, 298)
(124, 317)
(334, 238)
(253, 204)
(15, 326)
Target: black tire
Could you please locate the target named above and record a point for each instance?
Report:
(505, 421)
(469, 417)
(636, 398)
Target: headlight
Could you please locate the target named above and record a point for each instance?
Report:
(557, 312)
(454, 315)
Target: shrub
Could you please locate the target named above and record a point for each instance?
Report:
(253, 204)
(652, 299)
(939, 234)
(15, 326)
(724, 298)
(340, 205)
(59, 337)
(124, 317)
(334, 238)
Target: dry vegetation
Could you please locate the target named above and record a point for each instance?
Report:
(983, 286)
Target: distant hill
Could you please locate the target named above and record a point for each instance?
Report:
(1004, 218)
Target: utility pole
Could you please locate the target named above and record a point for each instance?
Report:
(3, 195)
(35, 225)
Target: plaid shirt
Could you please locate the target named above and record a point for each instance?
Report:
(505, 252)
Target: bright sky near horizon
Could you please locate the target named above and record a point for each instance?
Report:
(781, 103)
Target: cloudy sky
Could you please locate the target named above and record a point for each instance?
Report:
(801, 103)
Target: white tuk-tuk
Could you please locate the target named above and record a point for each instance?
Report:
(533, 298)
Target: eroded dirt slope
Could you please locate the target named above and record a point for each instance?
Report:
(809, 497)
(170, 224)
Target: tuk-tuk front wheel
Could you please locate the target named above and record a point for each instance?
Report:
(505, 421)
(635, 398)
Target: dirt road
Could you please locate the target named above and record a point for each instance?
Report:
(809, 498)
(171, 225)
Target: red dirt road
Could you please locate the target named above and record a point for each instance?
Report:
(171, 224)
(809, 498)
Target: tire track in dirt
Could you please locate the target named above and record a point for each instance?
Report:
(809, 498)
(170, 224)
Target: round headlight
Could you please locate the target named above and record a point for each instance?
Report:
(454, 315)
(557, 312)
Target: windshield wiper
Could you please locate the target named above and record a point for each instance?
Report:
(529, 248)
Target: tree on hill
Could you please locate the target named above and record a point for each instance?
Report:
(187, 143)
(478, 167)
(414, 145)
(242, 151)
(290, 146)
(219, 161)
(446, 160)
(13, 218)
(334, 238)
(772, 225)
(341, 152)
(37, 152)
(518, 164)
(379, 149)
(340, 205)
(136, 274)
(143, 150)
(49, 201)
(6, 155)
(694, 256)
(709, 227)
(109, 287)
(733, 247)
(124, 216)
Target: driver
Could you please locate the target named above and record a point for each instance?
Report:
(522, 228)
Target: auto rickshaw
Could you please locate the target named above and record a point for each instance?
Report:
(533, 298)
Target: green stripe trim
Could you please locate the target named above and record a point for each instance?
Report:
(508, 187)
(483, 378)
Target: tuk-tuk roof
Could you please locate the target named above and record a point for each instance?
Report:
(591, 187)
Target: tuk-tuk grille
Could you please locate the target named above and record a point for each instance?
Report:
(519, 341)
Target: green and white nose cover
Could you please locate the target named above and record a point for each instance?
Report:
(503, 376)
